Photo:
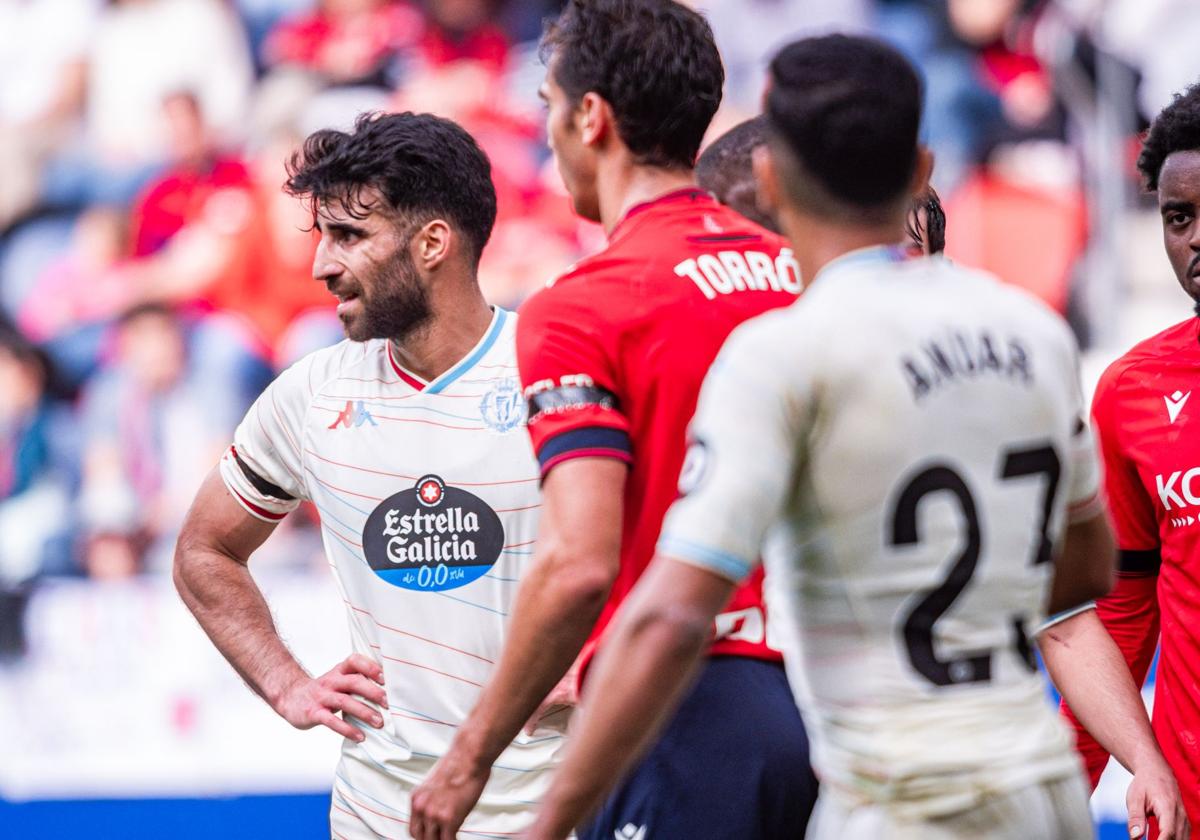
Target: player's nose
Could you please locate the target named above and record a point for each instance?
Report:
(325, 268)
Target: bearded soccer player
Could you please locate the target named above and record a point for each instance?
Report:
(1148, 423)
(612, 355)
(409, 440)
(909, 434)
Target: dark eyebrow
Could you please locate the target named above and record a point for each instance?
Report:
(1176, 207)
(340, 227)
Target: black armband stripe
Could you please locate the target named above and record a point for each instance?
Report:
(590, 440)
(572, 396)
(259, 483)
(1144, 562)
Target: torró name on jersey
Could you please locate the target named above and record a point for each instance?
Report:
(431, 537)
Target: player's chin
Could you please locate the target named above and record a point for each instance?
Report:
(354, 327)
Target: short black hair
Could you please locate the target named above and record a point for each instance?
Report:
(849, 110)
(654, 61)
(425, 167)
(1175, 129)
(726, 169)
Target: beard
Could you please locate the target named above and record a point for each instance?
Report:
(393, 303)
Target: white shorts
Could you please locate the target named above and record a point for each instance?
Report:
(1056, 810)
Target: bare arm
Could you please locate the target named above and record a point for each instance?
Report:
(213, 580)
(658, 639)
(576, 561)
(1090, 672)
(1084, 570)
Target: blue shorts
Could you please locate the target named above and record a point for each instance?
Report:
(731, 765)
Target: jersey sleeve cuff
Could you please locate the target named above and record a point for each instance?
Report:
(1086, 508)
(248, 496)
(718, 562)
(587, 442)
(1060, 617)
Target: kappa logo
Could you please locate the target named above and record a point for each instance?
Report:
(353, 416)
(1175, 403)
(630, 832)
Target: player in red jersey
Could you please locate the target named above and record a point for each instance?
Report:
(1149, 430)
(612, 355)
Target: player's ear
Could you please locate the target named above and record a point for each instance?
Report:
(594, 118)
(922, 172)
(766, 176)
(431, 244)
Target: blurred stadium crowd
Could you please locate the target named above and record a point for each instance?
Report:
(154, 278)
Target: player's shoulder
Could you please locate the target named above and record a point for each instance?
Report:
(312, 372)
(1130, 370)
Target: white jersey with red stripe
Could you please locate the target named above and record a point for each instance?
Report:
(428, 499)
(910, 432)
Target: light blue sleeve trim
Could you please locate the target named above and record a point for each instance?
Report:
(723, 563)
(1060, 617)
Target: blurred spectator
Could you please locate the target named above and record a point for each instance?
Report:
(750, 32)
(198, 170)
(143, 51)
(43, 47)
(35, 485)
(345, 42)
(151, 431)
(464, 30)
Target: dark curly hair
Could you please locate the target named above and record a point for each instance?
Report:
(654, 61)
(848, 109)
(1175, 129)
(426, 167)
(726, 170)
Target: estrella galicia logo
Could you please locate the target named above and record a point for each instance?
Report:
(432, 537)
(503, 407)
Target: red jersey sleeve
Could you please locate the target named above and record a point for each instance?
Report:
(1130, 611)
(568, 370)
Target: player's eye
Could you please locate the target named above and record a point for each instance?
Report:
(1178, 219)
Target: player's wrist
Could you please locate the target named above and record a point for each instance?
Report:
(277, 690)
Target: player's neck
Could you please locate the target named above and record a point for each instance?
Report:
(815, 244)
(622, 185)
(457, 326)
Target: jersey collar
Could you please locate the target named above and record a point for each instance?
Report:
(684, 193)
(499, 316)
(871, 255)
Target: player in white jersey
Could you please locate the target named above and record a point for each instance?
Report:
(904, 446)
(408, 439)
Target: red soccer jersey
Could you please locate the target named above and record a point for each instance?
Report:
(1148, 423)
(612, 356)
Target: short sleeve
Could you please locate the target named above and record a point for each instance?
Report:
(570, 383)
(1085, 496)
(740, 463)
(263, 466)
(1129, 506)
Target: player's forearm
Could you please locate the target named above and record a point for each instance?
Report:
(1090, 672)
(556, 607)
(636, 683)
(229, 606)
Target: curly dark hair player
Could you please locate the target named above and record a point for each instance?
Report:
(419, 514)
(612, 356)
(1147, 417)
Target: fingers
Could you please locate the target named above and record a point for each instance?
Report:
(356, 663)
(347, 705)
(356, 684)
(1136, 803)
(326, 718)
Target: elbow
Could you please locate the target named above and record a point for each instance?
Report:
(582, 581)
(678, 631)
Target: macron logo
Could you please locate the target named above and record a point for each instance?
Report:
(353, 416)
(1175, 403)
(630, 832)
